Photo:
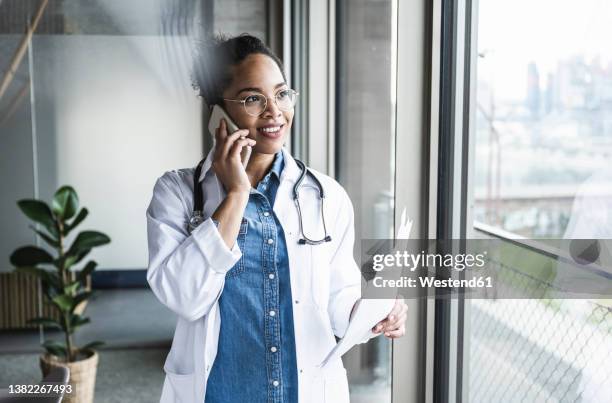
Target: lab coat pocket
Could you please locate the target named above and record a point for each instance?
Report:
(336, 386)
(179, 388)
(239, 266)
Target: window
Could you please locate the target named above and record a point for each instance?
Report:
(542, 134)
(365, 135)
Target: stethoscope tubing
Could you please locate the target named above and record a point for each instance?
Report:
(197, 216)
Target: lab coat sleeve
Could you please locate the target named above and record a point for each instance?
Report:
(345, 277)
(186, 272)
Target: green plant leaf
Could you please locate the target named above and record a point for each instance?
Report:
(30, 256)
(46, 322)
(51, 292)
(87, 240)
(80, 298)
(55, 348)
(87, 270)
(47, 277)
(72, 287)
(65, 203)
(39, 212)
(78, 320)
(92, 345)
(77, 220)
(48, 239)
(63, 302)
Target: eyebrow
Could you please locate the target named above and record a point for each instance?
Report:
(259, 89)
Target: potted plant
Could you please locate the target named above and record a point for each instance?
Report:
(63, 285)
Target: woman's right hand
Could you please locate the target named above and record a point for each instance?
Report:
(227, 163)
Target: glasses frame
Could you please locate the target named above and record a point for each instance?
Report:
(243, 101)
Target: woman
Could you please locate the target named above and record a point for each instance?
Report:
(257, 309)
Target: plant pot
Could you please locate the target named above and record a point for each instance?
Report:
(82, 375)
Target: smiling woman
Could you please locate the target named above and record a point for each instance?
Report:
(259, 303)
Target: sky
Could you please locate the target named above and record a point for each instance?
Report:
(513, 33)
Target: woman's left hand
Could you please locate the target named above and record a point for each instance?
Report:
(394, 325)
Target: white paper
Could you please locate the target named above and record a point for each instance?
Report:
(367, 312)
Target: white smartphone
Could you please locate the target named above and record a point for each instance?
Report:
(215, 121)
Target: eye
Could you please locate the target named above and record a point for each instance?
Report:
(251, 99)
(283, 94)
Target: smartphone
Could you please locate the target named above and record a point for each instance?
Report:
(215, 121)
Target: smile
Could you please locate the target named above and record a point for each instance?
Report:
(271, 131)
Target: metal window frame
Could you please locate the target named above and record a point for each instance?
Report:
(453, 196)
(415, 182)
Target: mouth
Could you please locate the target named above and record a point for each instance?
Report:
(272, 131)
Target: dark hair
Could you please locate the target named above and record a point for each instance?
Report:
(212, 72)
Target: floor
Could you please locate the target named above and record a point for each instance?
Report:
(137, 330)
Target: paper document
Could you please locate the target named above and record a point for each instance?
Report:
(367, 312)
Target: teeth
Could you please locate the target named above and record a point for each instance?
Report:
(270, 129)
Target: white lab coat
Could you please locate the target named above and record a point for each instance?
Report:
(187, 274)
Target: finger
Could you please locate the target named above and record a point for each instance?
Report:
(223, 128)
(231, 139)
(394, 334)
(378, 327)
(237, 147)
(395, 311)
(397, 323)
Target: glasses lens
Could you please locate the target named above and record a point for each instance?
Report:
(255, 104)
(286, 99)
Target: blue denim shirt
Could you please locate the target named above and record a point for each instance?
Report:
(255, 359)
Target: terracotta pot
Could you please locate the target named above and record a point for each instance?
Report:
(82, 375)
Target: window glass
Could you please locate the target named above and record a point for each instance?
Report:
(544, 116)
(365, 160)
(543, 142)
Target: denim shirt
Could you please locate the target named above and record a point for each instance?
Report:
(256, 359)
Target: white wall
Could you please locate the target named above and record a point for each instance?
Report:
(110, 122)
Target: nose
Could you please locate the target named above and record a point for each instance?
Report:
(272, 110)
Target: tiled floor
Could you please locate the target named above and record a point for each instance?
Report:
(134, 376)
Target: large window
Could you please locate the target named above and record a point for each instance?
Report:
(544, 117)
(542, 134)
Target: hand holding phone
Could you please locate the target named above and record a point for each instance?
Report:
(215, 121)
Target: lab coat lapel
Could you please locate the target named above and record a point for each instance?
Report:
(213, 190)
(286, 212)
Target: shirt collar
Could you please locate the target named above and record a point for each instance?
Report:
(277, 165)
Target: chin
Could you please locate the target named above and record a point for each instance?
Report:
(267, 148)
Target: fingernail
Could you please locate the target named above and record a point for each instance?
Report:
(378, 327)
(391, 317)
(387, 334)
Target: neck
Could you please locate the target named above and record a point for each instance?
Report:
(258, 166)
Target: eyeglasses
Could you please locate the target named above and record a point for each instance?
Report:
(255, 104)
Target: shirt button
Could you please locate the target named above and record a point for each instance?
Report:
(271, 276)
(275, 383)
(273, 349)
(266, 214)
(270, 241)
(272, 313)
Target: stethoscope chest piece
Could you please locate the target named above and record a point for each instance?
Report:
(195, 220)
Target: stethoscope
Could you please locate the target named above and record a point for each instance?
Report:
(197, 216)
